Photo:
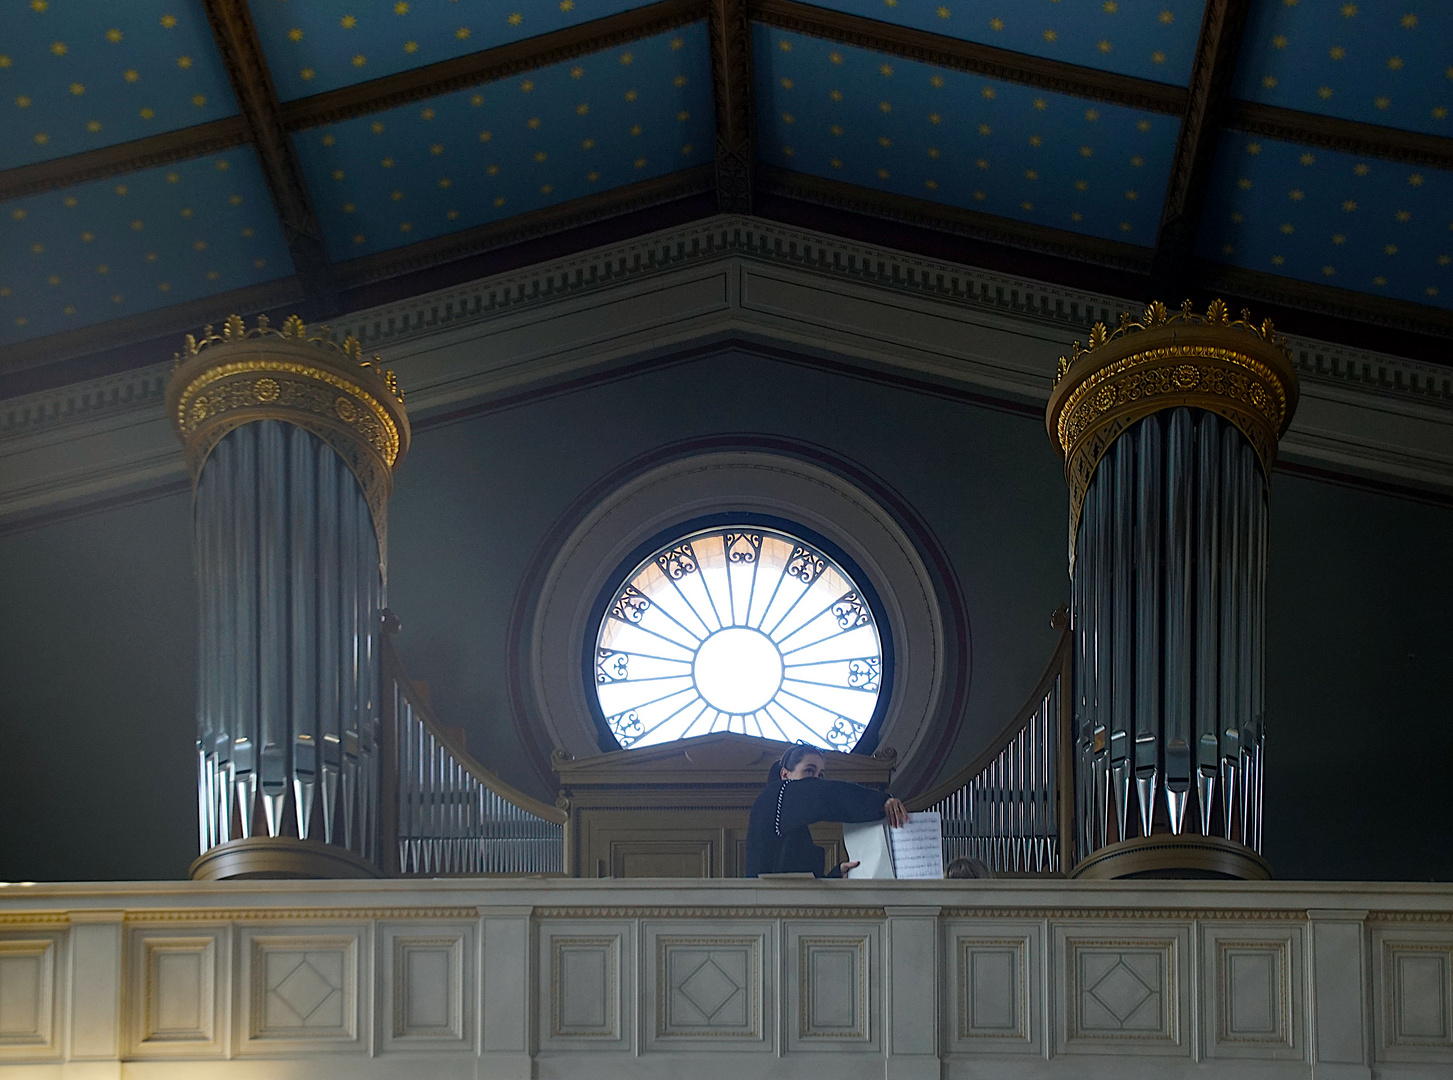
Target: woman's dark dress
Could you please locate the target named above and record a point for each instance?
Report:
(778, 838)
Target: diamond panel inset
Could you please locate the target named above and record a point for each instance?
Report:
(708, 987)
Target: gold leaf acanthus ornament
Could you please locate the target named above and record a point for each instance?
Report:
(1157, 314)
(223, 381)
(1236, 369)
(293, 329)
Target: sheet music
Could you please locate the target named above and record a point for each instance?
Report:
(913, 851)
(917, 847)
(867, 843)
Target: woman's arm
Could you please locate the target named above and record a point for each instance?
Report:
(807, 801)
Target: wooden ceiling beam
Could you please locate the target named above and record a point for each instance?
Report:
(242, 54)
(959, 55)
(1349, 136)
(1212, 72)
(163, 149)
(1348, 306)
(939, 217)
(730, 35)
(489, 65)
(452, 247)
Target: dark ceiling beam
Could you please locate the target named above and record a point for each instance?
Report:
(149, 337)
(1388, 319)
(730, 35)
(451, 247)
(163, 149)
(1212, 72)
(489, 65)
(959, 55)
(939, 217)
(1350, 136)
(247, 69)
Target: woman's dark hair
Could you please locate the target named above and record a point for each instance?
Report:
(791, 759)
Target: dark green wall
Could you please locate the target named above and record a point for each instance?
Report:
(97, 665)
(96, 766)
(1359, 695)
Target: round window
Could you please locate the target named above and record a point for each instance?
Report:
(739, 629)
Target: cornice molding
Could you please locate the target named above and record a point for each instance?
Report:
(714, 279)
(86, 402)
(729, 236)
(393, 325)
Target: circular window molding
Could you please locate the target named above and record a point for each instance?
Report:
(618, 530)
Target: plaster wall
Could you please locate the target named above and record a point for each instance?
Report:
(96, 765)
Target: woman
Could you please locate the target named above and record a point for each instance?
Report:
(778, 838)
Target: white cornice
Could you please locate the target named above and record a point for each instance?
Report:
(1367, 413)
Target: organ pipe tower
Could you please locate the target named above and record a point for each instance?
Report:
(1169, 427)
(291, 439)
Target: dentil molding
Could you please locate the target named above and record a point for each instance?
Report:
(867, 308)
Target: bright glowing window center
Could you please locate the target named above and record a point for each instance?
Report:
(739, 629)
(737, 671)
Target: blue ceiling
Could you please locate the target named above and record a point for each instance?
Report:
(1376, 62)
(561, 132)
(980, 144)
(318, 45)
(125, 245)
(1150, 40)
(81, 74)
(1331, 218)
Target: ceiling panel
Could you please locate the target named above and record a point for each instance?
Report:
(318, 45)
(981, 144)
(561, 132)
(133, 243)
(1380, 63)
(81, 74)
(1331, 218)
(1150, 40)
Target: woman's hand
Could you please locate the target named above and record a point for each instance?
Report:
(843, 868)
(896, 813)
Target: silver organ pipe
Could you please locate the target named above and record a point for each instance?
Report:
(1003, 809)
(284, 705)
(1200, 560)
(454, 818)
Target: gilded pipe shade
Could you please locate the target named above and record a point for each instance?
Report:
(1233, 368)
(222, 381)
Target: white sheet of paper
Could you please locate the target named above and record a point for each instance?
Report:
(913, 851)
(917, 847)
(867, 843)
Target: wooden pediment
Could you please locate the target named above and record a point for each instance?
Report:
(722, 758)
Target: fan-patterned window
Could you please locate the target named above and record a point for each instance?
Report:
(739, 629)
